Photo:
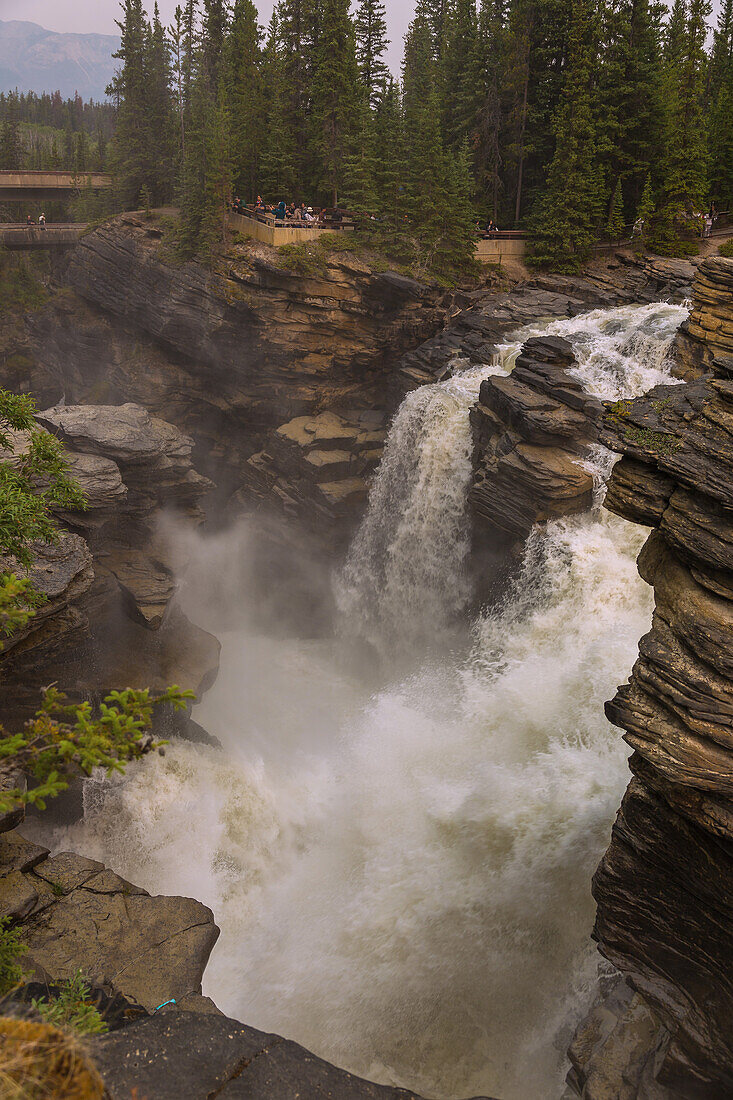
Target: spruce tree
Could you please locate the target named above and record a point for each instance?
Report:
(370, 26)
(389, 156)
(246, 98)
(567, 217)
(720, 125)
(489, 114)
(615, 223)
(460, 64)
(682, 185)
(646, 211)
(160, 109)
(278, 172)
(132, 141)
(336, 94)
(11, 148)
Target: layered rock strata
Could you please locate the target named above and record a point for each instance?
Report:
(234, 355)
(110, 617)
(708, 331)
(74, 913)
(480, 320)
(664, 888)
(230, 355)
(531, 430)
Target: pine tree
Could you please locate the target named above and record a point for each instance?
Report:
(460, 64)
(721, 111)
(336, 94)
(246, 97)
(278, 160)
(682, 185)
(11, 148)
(370, 26)
(615, 223)
(566, 221)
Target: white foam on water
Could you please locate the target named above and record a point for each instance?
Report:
(402, 876)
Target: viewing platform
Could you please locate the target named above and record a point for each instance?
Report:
(495, 248)
(263, 226)
(28, 238)
(30, 186)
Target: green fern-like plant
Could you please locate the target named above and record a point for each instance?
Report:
(72, 1009)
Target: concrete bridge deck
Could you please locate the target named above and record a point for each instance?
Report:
(29, 186)
(27, 238)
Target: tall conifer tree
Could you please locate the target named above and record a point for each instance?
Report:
(568, 216)
(336, 94)
(370, 26)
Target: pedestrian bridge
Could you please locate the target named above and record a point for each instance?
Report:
(30, 186)
(27, 238)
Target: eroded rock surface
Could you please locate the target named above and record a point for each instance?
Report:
(530, 427)
(110, 618)
(173, 1055)
(708, 332)
(76, 914)
(665, 886)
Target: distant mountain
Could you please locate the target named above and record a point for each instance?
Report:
(33, 59)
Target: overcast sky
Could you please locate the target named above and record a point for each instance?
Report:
(100, 15)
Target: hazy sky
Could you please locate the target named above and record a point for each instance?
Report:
(100, 15)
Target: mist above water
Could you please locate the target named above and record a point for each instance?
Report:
(401, 869)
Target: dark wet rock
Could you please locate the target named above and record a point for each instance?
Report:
(107, 583)
(530, 431)
(173, 1054)
(708, 332)
(76, 914)
(664, 888)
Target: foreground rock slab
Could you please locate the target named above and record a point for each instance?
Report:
(77, 914)
(174, 1054)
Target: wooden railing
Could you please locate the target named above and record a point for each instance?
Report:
(331, 220)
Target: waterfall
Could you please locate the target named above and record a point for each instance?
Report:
(405, 580)
(402, 875)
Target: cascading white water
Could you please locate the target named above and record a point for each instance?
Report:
(402, 878)
(404, 581)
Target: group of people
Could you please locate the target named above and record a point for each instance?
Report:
(41, 221)
(297, 215)
(489, 230)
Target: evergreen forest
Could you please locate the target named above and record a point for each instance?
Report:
(572, 119)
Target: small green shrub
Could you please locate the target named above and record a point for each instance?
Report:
(72, 1009)
(11, 950)
(726, 249)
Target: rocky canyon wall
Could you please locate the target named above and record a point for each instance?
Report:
(664, 888)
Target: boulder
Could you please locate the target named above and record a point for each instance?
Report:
(530, 430)
(76, 914)
(175, 1054)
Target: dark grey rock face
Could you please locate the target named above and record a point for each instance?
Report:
(664, 888)
(173, 1054)
(110, 616)
(529, 429)
(76, 914)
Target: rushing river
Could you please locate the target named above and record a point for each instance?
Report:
(400, 862)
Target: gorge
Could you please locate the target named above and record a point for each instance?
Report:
(409, 780)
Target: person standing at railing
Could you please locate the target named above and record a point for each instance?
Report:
(42, 221)
(280, 211)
